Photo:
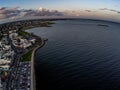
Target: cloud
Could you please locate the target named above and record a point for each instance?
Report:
(88, 10)
(16, 12)
(110, 10)
(6, 12)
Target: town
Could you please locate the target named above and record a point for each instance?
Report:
(16, 47)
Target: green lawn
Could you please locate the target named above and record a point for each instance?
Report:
(23, 33)
(27, 56)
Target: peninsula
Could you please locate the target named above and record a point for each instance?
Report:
(17, 48)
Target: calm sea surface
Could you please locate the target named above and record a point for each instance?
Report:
(79, 55)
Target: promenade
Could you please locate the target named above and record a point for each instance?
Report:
(33, 79)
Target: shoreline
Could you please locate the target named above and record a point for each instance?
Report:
(24, 46)
(58, 18)
(33, 78)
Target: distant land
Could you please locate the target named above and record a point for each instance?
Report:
(54, 18)
(103, 25)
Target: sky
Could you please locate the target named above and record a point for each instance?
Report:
(97, 9)
(62, 4)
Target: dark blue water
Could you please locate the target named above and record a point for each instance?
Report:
(79, 55)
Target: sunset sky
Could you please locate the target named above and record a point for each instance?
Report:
(98, 9)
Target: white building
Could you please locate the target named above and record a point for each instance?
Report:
(0, 85)
(13, 35)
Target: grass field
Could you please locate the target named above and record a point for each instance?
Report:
(27, 56)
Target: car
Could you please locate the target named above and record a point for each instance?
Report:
(28, 88)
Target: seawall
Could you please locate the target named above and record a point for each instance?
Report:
(33, 78)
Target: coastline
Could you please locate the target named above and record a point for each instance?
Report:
(25, 52)
(33, 78)
(55, 19)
